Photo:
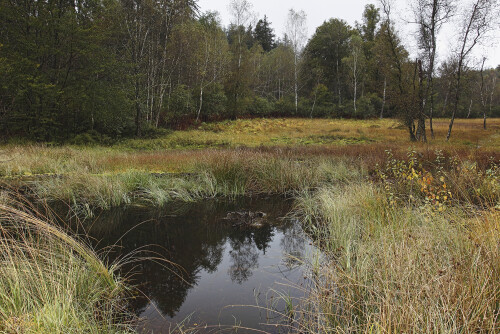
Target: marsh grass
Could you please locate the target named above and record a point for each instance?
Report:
(51, 282)
(102, 181)
(87, 192)
(401, 269)
(218, 174)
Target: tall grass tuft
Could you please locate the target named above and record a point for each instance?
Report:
(53, 283)
(403, 268)
(216, 174)
(244, 172)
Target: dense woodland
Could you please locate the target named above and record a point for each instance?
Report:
(115, 68)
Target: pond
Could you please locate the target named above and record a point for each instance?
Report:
(200, 267)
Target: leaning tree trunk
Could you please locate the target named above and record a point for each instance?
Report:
(296, 85)
(201, 103)
(470, 109)
(314, 104)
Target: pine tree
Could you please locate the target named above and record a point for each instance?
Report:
(264, 34)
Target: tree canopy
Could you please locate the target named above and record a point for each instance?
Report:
(118, 68)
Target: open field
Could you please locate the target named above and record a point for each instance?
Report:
(181, 150)
(411, 231)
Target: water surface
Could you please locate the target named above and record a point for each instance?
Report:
(224, 276)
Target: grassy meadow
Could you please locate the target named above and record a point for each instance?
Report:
(411, 231)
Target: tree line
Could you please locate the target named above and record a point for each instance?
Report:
(117, 68)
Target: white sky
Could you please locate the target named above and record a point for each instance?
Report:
(349, 10)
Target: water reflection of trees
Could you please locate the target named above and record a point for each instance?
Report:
(244, 258)
(245, 246)
(194, 238)
(292, 244)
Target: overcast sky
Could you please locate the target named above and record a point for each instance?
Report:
(349, 10)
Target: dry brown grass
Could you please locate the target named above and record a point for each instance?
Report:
(298, 138)
(400, 269)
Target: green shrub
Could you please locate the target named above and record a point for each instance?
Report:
(91, 138)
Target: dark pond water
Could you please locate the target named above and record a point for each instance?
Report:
(225, 276)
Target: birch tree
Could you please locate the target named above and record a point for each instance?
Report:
(393, 55)
(241, 12)
(296, 31)
(430, 16)
(138, 31)
(214, 49)
(356, 64)
(487, 89)
(477, 21)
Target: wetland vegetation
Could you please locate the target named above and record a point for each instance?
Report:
(411, 232)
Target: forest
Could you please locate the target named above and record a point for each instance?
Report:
(87, 71)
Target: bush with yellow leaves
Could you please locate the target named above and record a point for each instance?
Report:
(444, 180)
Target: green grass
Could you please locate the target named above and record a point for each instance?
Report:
(215, 175)
(53, 283)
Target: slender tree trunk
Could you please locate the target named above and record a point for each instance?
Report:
(314, 103)
(431, 112)
(138, 113)
(457, 99)
(355, 81)
(470, 109)
(411, 129)
(201, 102)
(484, 116)
(383, 98)
(446, 98)
(296, 84)
(491, 99)
(474, 25)
(483, 100)
(421, 133)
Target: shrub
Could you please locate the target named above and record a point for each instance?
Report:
(259, 106)
(91, 138)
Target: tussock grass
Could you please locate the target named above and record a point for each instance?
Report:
(53, 283)
(87, 192)
(229, 174)
(400, 269)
